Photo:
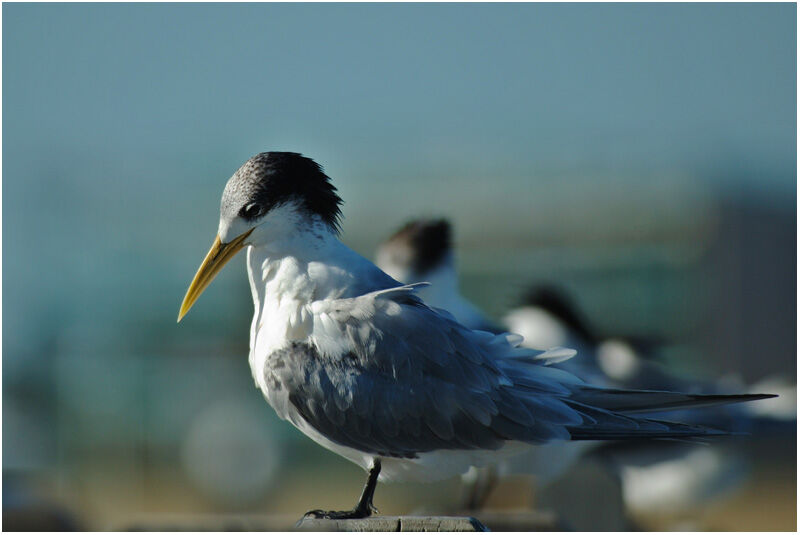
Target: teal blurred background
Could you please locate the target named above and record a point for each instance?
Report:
(643, 156)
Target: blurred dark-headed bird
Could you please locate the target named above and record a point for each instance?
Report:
(365, 368)
(422, 250)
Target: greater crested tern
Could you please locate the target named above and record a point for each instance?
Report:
(422, 250)
(361, 365)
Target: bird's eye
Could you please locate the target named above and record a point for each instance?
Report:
(251, 211)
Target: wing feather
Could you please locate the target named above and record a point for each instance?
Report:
(383, 373)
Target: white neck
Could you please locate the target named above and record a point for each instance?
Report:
(309, 263)
(295, 267)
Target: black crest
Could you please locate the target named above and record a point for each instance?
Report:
(270, 179)
(430, 241)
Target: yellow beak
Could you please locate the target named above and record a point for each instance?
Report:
(217, 257)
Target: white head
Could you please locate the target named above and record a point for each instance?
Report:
(271, 197)
(549, 318)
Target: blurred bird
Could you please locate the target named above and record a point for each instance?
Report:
(422, 250)
(547, 315)
(361, 365)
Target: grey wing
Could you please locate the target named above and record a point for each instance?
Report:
(385, 374)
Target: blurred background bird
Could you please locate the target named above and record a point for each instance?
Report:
(654, 476)
(641, 156)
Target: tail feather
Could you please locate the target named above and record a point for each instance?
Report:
(670, 430)
(644, 401)
(602, 425)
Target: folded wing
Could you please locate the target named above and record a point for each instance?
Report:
(384, 373)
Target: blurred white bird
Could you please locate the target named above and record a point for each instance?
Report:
(362, 366)
(422, 250)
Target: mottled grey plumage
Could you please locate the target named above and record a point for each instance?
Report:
(444, 388)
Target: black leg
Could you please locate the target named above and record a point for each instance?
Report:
(364, 507)
(480, 489)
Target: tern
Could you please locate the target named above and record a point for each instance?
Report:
(360, 364)
(422, 250)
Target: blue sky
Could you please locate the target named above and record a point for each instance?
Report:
(122, 122)
(367, 87)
